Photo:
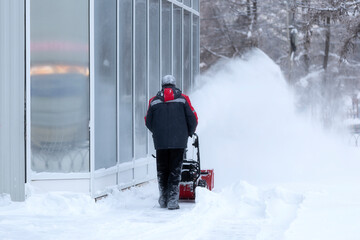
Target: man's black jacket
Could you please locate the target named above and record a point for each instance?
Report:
(170, 118)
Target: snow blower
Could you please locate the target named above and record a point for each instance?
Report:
(192, 176)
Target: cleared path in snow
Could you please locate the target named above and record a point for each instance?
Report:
(240, 211)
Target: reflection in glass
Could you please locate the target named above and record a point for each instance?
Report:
(125, 81)
(105, 83)
(140, 79)
(196, 4)
(187, 52)
(187, 3)
(177, 45)
(166, 38)
(154, 50)
(59, 70)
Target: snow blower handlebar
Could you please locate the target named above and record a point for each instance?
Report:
(192, 175)
(196, 145)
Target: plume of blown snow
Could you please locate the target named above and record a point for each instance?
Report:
(249, 129)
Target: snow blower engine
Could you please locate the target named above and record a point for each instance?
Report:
(192, 175)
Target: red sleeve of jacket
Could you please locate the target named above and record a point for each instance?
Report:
(148, 108)
(191, 107)
(191, 116)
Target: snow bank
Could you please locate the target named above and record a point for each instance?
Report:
(5, 200)
(249, 129)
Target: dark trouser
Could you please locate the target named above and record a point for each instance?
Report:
(169, 164)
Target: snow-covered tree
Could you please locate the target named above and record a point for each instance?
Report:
(315, 42)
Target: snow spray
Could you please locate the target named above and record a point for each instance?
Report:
(249, 129)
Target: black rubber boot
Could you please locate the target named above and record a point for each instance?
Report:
(163, 198)
(173, 202)
(163, 177)
(173, 184)
(162, 201)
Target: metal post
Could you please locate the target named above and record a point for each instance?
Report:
(92, 97)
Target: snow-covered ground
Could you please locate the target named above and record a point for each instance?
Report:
(277, 176)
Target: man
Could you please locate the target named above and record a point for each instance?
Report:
(171, 119)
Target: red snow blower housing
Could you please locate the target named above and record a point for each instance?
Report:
(192, 175)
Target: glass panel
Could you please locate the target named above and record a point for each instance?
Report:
(177, 45)
(195, 56)
(187, 52)
(105, 83)
(166, 38)
(140, 79)
(196, 4)
(125, 81)
(59, 69)
(154, 50)
(187, 3)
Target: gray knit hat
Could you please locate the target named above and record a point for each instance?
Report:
(168, 79)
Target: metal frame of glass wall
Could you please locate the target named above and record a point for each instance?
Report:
(150, 38)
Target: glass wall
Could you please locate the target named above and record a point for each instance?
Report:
(135, 43)
(125, 121)
(166, 38)
(140, 79)
(177, 45)
(105, 83)
(187, 52)
(196, 5)
(59, 77)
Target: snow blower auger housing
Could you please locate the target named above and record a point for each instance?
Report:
(192, 175)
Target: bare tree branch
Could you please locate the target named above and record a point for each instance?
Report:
(215, 54)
